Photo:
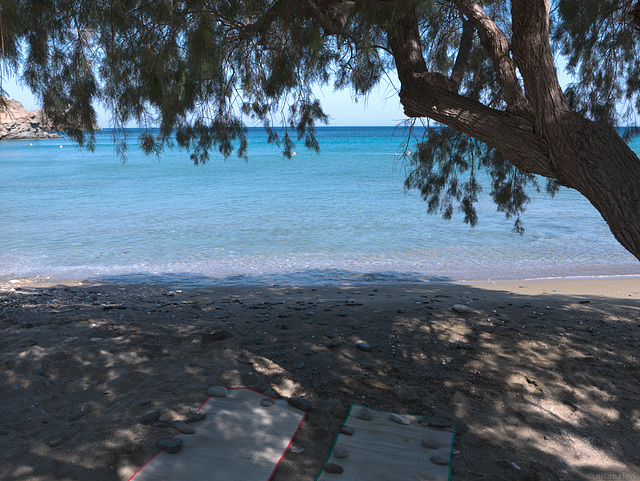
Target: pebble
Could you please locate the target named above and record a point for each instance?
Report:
(196, 417)
(151, 417)
(365, 415)
(439, 423)
(266, 402)
(461, 308)
(340, 452)
(302, 404)
(333, 334)
(333, 468)
(300, 366)
(183, 427)
(336, 343)
(171, 446)
(363, 346)
(348, 430)
(55, 442)
(164, 417)
(399, 419)
(437, 459)
(217, 391)
(38, 369)
(430, 443)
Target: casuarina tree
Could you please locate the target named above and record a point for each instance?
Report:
(480, 75)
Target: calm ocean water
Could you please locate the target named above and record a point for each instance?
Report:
(341, 216)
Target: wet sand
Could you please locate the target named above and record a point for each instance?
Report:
(540, 376)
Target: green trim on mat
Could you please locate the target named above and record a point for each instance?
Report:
(335, 440)
(453, 436)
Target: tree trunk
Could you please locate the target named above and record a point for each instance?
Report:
(595, 161)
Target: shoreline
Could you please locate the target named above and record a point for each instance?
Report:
(538, 374)
(51, 281)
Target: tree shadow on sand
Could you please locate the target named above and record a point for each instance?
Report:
(542, 387)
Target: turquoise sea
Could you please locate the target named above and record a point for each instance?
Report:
(340, 216)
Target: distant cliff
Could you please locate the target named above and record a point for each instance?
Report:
(18, 124)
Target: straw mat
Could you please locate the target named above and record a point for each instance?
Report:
(381, 449)
(239, 440)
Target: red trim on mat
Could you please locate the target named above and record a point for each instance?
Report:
(134, 474)
(288, 446)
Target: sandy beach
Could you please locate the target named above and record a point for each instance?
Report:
(540, 376)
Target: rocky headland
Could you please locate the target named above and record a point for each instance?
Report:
(16, 123)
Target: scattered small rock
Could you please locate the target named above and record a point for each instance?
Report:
(296, 450)
(461, 308)
(333, 468)
(217, 391)
(151, 417)
(171, 446)
(113, 308)
(399, 419)
(38, 369)
(209, 335)
(302, 404)
(333, 334)
(336, 343)
(195, 417)
(55, 442)
(164, 417)
(363, 346)
(183, 427)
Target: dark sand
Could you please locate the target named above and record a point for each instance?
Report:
(541, 376)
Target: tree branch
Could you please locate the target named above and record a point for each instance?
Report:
(496, 44)
(534, 57)
(466, 42)
(513, 135)
(428, 94)
(336, 25)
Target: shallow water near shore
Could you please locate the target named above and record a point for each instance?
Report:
(340, 216)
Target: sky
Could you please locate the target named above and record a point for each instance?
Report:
(381, 107)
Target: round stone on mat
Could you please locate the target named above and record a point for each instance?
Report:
(437, 459)
(183, 427)
(365, 415)
(348, 430)
(399, 419)
(430, 443)
(217, 391)
(266, 402)
(333, 468)
(439, 423)
(340, 452)
(171, 446)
